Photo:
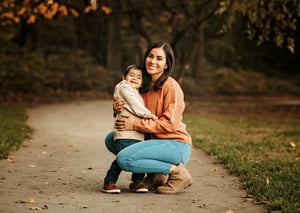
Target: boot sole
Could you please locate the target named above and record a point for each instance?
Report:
(187, 183)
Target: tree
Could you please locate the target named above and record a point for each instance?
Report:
(182, 23)
(113, 62)
(274, 21)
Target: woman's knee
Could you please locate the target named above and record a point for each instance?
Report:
(123, 160)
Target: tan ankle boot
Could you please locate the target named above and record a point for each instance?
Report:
(176, 182)
(153, 180)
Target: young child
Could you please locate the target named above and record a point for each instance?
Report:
(128, 90)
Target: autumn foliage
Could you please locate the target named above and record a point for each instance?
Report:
(12, 11)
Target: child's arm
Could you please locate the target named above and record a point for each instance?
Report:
(134, 101)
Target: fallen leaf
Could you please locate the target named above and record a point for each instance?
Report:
(258, 202)
(267, 180)
(14, 148)
(247, 196)
(292, 144)
(35, 208)
(26, 143)
(202, 205)
(11, 159)
(30, 200)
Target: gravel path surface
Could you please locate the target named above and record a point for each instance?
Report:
(62, 170)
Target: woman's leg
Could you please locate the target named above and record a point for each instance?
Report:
(153, 156)
(123, 143)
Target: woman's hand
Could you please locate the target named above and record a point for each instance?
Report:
(151, 116)
(125, 123)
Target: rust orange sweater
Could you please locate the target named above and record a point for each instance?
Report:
(168, 105)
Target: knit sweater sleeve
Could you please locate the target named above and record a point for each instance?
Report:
(169, 111)
(135, 103)
(168, 105)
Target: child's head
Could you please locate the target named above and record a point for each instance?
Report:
(134, 75)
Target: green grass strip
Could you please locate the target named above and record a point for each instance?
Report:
(264, 154)
(13, 128)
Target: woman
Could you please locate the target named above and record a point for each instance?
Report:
(169, 146)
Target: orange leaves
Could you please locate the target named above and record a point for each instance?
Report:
(11, 12)
(88, 9)
(50, 10)
(74, 12)
(105, 9)
(31, 19)
(8, 15)
(63, 10)
(94, 4)
(22, 11)
(42, 8)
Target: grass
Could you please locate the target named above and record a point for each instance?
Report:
(13, 129)
(263, 150)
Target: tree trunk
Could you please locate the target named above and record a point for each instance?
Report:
(114, 38)
(199, 54)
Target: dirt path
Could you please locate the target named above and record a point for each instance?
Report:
(63, 168)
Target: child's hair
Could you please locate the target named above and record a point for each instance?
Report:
(136, 67)
(132, 66)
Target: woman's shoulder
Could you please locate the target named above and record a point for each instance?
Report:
(170, 81)
(171, 86)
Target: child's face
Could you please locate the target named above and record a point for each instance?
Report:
(135, 78)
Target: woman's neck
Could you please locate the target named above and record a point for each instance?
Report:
(155, 77)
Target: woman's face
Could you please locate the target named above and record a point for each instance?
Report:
(156, 62)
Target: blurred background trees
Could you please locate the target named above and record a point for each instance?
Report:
(222, 47)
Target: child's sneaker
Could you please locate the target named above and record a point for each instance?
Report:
(140, 188)
(111, 188)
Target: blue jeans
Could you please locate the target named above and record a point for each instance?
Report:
(150, 156)
(114, 171)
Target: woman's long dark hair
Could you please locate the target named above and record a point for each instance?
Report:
(170, 65)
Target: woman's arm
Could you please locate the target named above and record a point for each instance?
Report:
(171, 106)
